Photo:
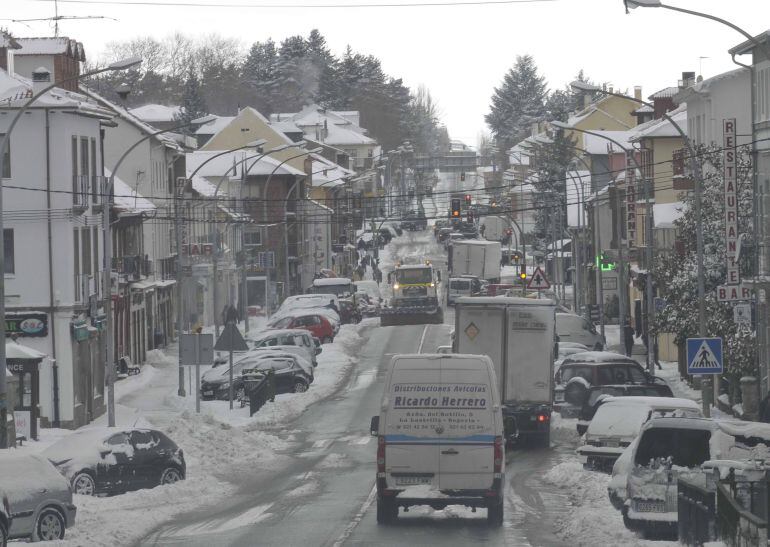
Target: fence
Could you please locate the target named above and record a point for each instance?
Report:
(697, 513)
(738, 527)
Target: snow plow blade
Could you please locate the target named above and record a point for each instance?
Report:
(418, 315)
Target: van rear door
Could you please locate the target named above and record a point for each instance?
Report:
(467, 453)
(412, 428)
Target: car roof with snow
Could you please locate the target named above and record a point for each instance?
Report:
(330, 281)
(269, 333)
(597, 358)
(654, 403)
(680, 422)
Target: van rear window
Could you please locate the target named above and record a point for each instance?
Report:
(686, 447)
(459, 285)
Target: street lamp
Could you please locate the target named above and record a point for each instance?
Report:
(4, 142)
(107, 245)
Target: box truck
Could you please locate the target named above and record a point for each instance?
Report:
(518, 334)
(475, 257)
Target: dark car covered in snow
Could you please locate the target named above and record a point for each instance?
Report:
(109, 460)
(578, 372)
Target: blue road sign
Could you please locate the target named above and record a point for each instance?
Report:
(704, 356)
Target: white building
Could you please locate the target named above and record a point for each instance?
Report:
(53, 240)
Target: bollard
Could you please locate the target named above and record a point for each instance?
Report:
(750, 396)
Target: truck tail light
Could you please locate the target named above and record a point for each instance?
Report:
(499, 454)
(381, 454)
(542, 418)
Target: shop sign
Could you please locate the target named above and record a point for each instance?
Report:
(630, 199)
(731, 200)
(21, 366)
(27, 324)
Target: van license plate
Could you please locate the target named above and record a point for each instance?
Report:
(413, 480)
(650, 506)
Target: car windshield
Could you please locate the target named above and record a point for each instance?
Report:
(414, 275)
(685, 447)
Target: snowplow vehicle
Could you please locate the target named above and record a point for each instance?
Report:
(415, 297)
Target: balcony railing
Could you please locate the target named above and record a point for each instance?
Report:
(87, 190)
(133, 267)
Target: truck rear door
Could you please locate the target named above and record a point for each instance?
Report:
(412, 429)
(530, 342)
(479, 331)
(466, 455)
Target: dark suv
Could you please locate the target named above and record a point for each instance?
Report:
(414, 221)
(580, 371)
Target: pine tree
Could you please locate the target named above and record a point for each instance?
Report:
(259, 74)
(517, 103)
(193, 103)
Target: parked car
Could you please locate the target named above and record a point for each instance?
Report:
(37, 500)
(316, 323)
(580, 371)
(298, 351)
(371, 288)
(290, 375)
(215, 383)
(108, 460)
(303, 302)
(617, 423)
(596, 395)
(288, 337)
(644, 482)
(576, 328)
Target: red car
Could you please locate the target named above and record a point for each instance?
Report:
(318, 325)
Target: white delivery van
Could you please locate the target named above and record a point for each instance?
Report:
(440, 436)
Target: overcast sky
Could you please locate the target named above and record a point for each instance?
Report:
(459, 52)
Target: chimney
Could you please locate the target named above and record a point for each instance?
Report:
(586, 99)
(7, 45)
(688, 78)
(41, 78)
(638, 92)
(611, 89)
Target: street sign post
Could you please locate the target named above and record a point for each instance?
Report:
(731, 293)
(196, 350)
(231, 340)
(538, 282)
(704, 356)
(742, 314)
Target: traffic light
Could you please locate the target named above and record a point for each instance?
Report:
(456, 206)
(467, 199)
(516, 257)
(462, 176)
(469, 216)
(605, 263)
(523, 275)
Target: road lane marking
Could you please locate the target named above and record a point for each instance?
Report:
(346, 533)
(323, 443)
(422, 340)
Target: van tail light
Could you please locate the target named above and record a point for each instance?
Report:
(499, 454)
(381, 454)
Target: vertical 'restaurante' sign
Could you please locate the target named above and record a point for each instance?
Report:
(630, 200)
(731, 201)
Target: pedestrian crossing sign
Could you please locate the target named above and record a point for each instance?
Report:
(538, 281)
(704, 356)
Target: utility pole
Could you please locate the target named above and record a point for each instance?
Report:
(598, 252)
(107, 193)
(181, 183)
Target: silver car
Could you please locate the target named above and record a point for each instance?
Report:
(39, 498)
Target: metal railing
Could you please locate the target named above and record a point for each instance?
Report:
(738, 526)
(81, 191)
(696, 507)
(134, 267)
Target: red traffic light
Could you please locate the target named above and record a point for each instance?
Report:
(467, 198)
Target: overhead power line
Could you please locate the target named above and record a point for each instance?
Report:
(251, 5)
